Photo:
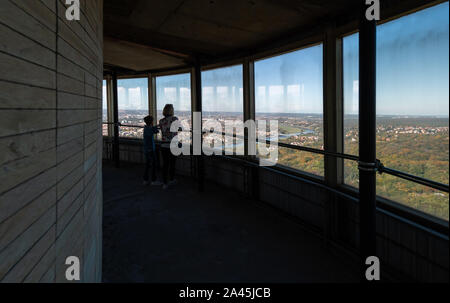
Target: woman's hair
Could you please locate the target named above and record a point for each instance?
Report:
(168, 110)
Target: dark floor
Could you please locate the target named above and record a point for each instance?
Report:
(180, 235)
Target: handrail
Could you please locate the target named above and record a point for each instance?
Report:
(124, 125)
(380, 168)
(415, 179)
(299, 148)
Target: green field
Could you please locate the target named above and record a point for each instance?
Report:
(418, 146)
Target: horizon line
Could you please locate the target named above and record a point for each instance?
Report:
(320, 114)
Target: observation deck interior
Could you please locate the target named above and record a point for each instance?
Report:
(230, 220)
(362, 150)
(215, 236)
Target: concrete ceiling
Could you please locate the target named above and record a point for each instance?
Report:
(137, 57)
(154, 34)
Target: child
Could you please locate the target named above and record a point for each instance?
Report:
(149, 150)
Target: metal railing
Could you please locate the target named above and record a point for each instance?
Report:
(379, 166)
(124, 125)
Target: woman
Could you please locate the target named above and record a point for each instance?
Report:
(169, 160)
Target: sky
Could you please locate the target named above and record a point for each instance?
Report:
(290, 83)
(222, 89)
(132, 94)
(412, 65)
(175, 90)
(412, 75)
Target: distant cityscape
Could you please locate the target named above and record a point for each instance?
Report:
(296, 129)
(416, 145)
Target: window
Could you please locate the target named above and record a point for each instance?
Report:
(104, 109)
(289, 88)
(223, 100)
(176, 90)
(412, 107)
(133, 106)
(350, 51)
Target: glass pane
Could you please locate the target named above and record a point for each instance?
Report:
(299, 160)
(289, 88)
(131, 132)
(350, 67)
(304, 161)
(133, 105)
(220, 144)
(414, 195)
(412, 106)
(413, 93)
(223, 100)
(176, 90)
(351, 173)
(104, 109)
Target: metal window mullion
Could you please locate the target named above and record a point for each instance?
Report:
(249, 97)
(152, 98)
(109, 106)
(116, 150)
(197, 107)
(367, 141)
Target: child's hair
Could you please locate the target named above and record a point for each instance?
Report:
(168, 110)
(148, 120)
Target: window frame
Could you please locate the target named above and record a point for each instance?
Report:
(406, 213)
(283, 51)
(223, 65)
(153, 100)
(131, 77)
